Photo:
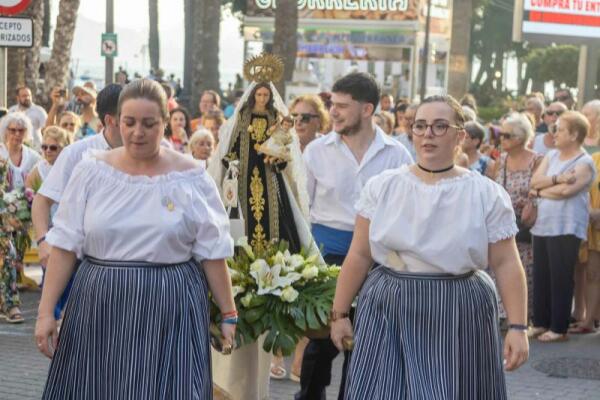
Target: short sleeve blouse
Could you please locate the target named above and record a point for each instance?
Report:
(441, 228)
(107, 214)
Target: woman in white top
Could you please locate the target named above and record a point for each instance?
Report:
(561, 182)
(142, 218)
(426, 325)
(15, 129)
(54, 140)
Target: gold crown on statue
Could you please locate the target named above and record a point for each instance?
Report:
(264, 68)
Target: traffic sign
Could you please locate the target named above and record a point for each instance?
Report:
(13, 7)
(109, 46)
(16, 32)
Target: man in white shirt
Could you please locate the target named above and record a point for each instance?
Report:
(54, 185)
(338, 166)
(36, 114)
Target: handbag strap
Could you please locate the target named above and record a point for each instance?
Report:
(570, 164)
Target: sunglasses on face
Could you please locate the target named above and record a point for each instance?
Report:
(50, 147)
(554, 113)
(67, 124)
(16, 130)
(506, 135)
(304, 117)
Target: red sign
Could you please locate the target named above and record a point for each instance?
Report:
(13, 7)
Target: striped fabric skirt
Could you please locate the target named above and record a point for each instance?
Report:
(426, 336)
(134, 331)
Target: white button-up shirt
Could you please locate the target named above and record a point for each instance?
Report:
(336, 179)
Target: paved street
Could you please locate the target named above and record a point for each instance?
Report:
(23, 370)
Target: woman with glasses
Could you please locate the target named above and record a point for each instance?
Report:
(561, 183)
(54, 140)
(426, 325)
(15, 130)
(544, 143)
(70, 122)
(514, 171)
(310, 118)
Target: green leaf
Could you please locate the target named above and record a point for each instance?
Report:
(254, 314)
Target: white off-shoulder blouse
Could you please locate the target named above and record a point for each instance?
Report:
(441, 228)
(107, 214)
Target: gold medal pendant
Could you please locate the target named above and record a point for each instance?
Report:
(167, 202)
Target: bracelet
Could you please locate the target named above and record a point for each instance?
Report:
(518, 327)
(41, 240)
(229, 314)
(335, 315)
(554, 179)
(230, 321)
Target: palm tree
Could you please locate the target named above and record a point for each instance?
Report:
(285, 41)
(32, 56)
(204, 48)
(460, 66)
(15, 60)
(57, 73)
(153, 40)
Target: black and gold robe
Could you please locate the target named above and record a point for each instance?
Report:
(263, 198)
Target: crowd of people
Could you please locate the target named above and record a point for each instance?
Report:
(383, 184)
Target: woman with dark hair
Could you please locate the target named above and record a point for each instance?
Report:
(475, 135)
(153, 235)
(179, 131)
(426, 325)
(264, 203)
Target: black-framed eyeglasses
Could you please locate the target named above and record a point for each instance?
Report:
(438, 128)
(51, 147)
(304, 117)
(555, 113)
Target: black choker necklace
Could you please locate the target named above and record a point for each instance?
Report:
(435, 171)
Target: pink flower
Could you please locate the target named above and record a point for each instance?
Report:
(29, 195)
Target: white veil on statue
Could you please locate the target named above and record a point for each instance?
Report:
(294, 175)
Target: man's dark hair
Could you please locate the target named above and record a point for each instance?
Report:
(107, 101)
(360, 86)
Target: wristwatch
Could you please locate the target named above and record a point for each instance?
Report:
(335, 315)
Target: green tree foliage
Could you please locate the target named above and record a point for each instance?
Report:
(557, 64)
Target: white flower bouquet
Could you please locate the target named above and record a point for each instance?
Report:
(280, 293)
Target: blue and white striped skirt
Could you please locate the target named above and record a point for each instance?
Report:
(426, 336)
(134, 331)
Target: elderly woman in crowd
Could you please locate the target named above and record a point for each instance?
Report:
(561, 183)
(429, 300)
(202, 145)
(54, 139)
(310, 118)
(473, 140)
(179, 129)
(514, 171)
(15, 130)
(153, 235)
